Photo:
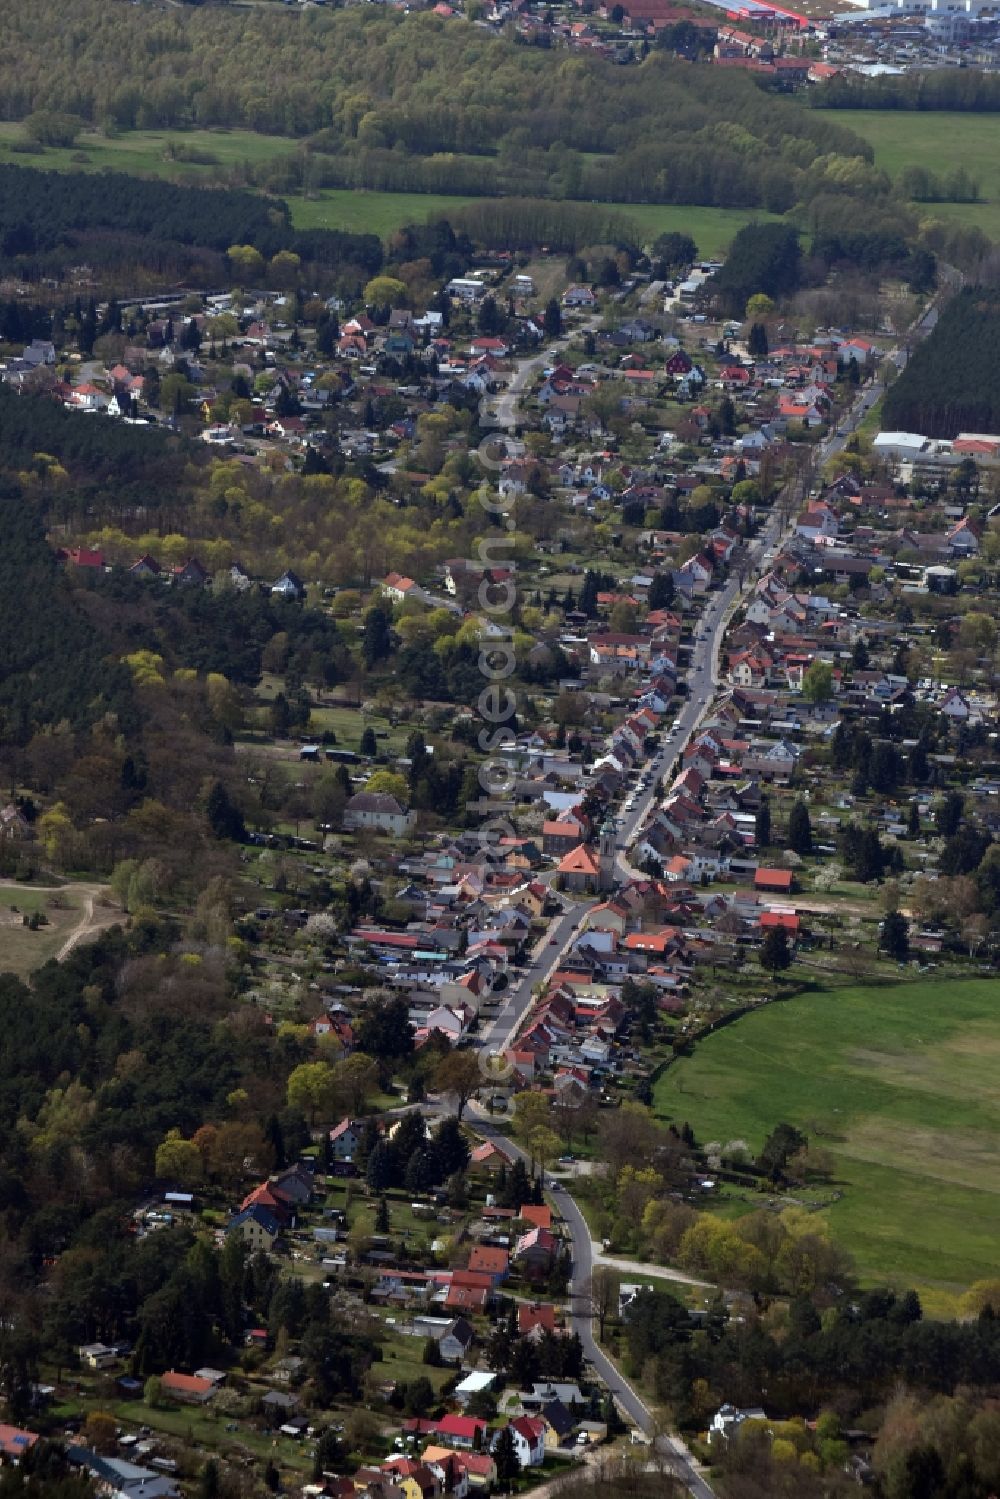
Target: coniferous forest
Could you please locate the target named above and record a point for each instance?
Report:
(952, 381)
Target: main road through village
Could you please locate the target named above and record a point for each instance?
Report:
(702, 680)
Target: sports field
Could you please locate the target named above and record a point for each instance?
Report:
(941, 142)
(902, 1085)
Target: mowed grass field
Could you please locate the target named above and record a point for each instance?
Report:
(902, 1085)
(940, 142)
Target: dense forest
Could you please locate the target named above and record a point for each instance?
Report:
(54, 668)
(952, 381)
(44, 215)
(385, 100)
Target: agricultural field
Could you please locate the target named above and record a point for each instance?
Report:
(898, 1083)
(939, 141)
(146, 153)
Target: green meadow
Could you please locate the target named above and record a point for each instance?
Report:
(939, 141)
(900, 1084)
(382, 213)
(146, 153)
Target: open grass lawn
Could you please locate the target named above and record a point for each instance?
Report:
(940, 142)
(144, 152)
(403, 1360)
(900, 1084)
(22, 950)
(382, 213)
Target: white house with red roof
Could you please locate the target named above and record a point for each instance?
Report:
(529, 1440)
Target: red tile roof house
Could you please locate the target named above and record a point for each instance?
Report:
(188, 1388)
(559, 837)
(532, 1314)
(491, 1261)
(462, 1431)
(787, 920)
(775, 880)
(529, 1440)
(489, 1157)
(478, 1467)
(469, 1291)
(538, 1215)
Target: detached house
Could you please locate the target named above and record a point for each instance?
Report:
(462, 1431)
(529, 1440)
(378, 811)
(256, 1227)
(817, 522)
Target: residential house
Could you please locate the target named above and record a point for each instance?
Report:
(727, 1421)
(452, 1473)
(529, 1440)
(191, 574)
(491, 1261)
(535, 1251)
(416, 1479)
(114, 1478)
(559, 1423)
(489, 1158)
(462, 1431)
(478, 1468)
(535, 1314)
(257, 1227)
(146, 567)
(345, 1138)
(289, 585)
(97, 1355)
(456, 1340)
(14, 826)
(191, 1389)
(817, 522)
(378, 811)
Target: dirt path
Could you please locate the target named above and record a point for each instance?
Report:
(92, 918)
(833, 907)
(639, 1267)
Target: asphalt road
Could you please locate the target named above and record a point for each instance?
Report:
(702, 679)
(633, 1407)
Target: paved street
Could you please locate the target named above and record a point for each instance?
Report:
(702, 679)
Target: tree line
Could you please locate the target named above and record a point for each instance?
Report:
(966, 89)
(44, 217)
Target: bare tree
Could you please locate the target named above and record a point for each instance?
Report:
(602, 1293)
